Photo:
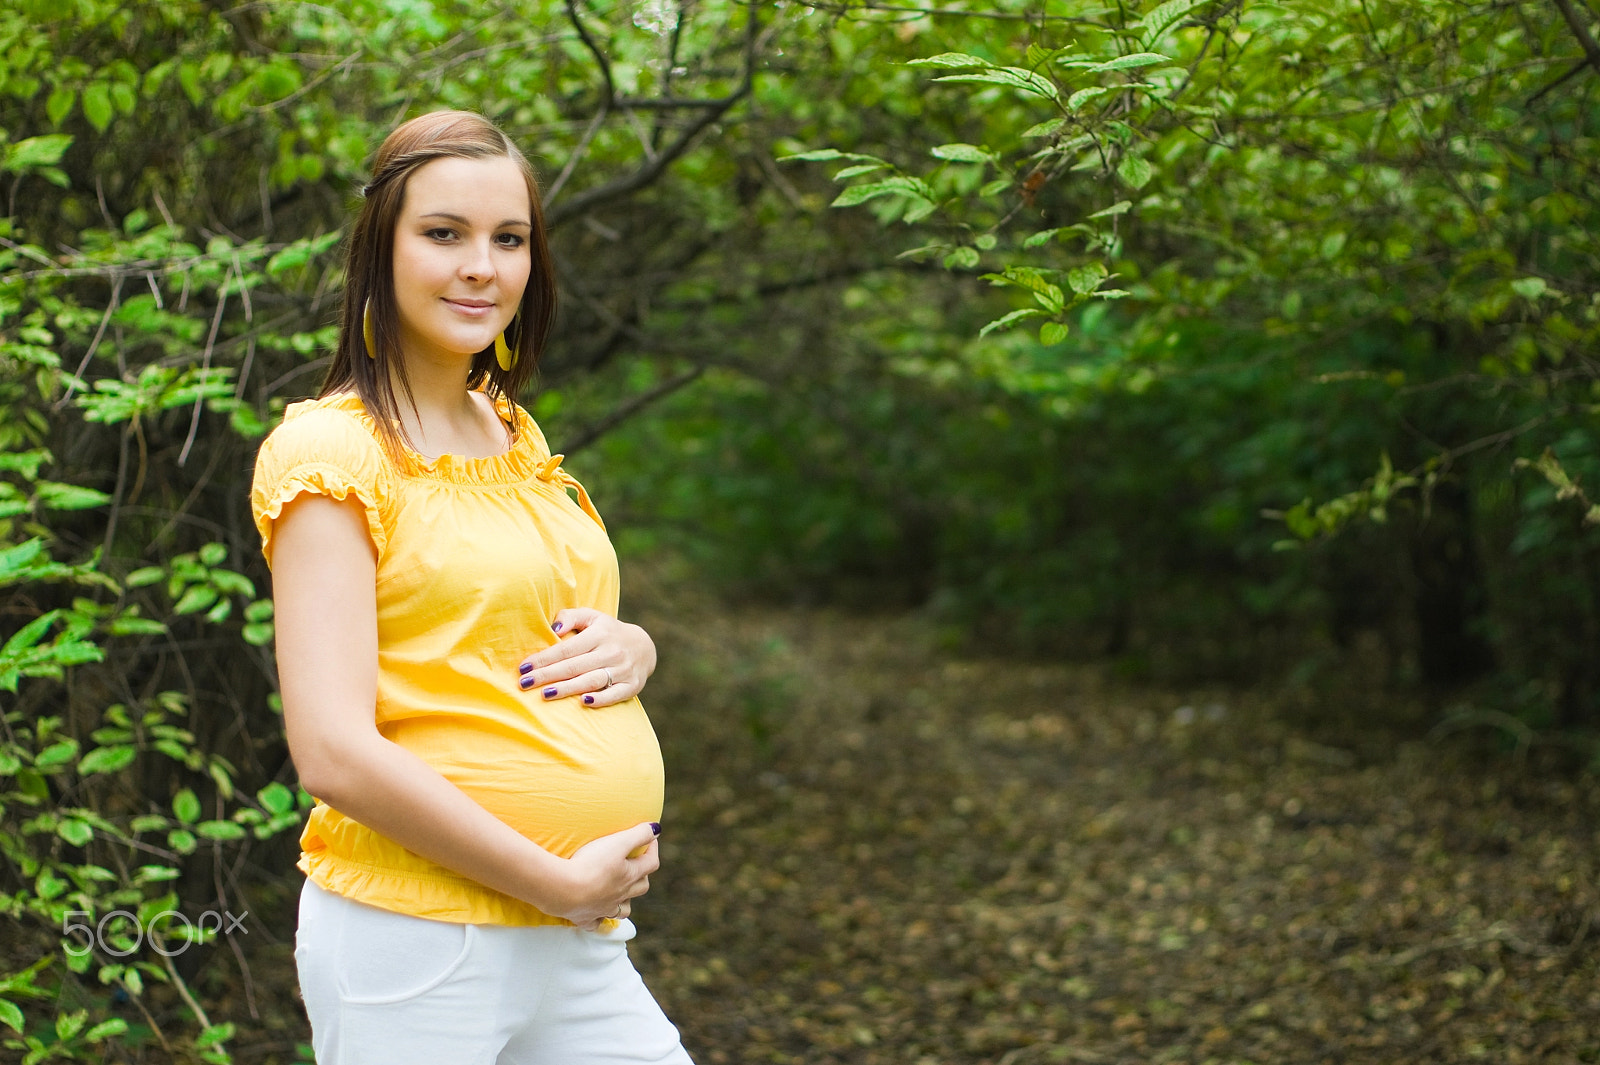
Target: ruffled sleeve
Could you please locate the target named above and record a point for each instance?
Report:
(324, 451)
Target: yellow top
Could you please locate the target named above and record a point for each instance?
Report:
(475, 556)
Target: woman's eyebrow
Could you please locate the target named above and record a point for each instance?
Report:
(467, 222)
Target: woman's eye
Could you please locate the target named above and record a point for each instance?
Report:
(511, 240)
(440, 234)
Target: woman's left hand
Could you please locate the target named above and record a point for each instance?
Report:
(603, 659)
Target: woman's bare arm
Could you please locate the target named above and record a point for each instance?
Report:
(323, 579)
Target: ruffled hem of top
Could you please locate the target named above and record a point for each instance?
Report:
(325, 480)
(519, 462)
(454, 899)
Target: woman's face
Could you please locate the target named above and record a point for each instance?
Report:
(461, 255)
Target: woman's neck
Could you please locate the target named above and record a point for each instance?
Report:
(447, 417)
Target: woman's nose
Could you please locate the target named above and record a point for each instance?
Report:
(478, 264)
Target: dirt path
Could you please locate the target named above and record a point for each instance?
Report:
(876, 852)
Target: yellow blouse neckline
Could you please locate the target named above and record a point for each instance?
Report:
(525, 457)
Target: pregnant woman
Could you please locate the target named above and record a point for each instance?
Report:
(457, 691)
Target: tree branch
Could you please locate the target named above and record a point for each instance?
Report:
(630, 408)
(600, 59)
(652, 169)
(1591, 49)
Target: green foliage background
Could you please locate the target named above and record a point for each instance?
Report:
(1217, 336)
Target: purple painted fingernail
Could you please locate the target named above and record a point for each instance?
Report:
(549, 693)
(525, 668)
(555, 626)
(655, 826)
(588, 700)
(526, 682)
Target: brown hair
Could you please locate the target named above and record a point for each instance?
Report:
(369, 273)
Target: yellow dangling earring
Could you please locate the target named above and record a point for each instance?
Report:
(366, 330)
(503, 353)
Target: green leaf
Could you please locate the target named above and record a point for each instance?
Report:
(257, 633)
(1044, 236)
(144, 576)
(1158, 21)
(962, 153)
(36, 152)
(1025, 277)
(76, 832)
(219, 830)
(1131, 62)
(1529, 287)
(16, 561)
(260, 610)
(1135, 171)
(196, 599)
(1050, 298)
(56, 755)
(1114, 209)
(1015, 77)
(49, 886)
(105, 1030)
(856, 171)
(1082, 96)
(11, 1016)
(895, 186)
(106, 759)
(55, 496)
(133, 625)
(276, 798)
(213, 553)
(217, 1033)
(824, 155)
(961, 259)
(70, 1024)
(221, 773)
(1006, 321)
(1085, 279)
(29, 635)
(186, 805)
(1052, 333)
(124, 97)
(97, 105)
(952, 60)
(181, 841)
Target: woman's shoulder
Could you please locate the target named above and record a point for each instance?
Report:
(334, 429)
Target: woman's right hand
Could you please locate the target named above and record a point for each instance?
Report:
(606, 874)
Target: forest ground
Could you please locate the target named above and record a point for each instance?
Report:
(880, 851)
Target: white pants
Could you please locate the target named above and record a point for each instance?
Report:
(383, 988)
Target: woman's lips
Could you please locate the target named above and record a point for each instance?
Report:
(472, 308)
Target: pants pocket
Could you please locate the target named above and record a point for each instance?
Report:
(387, 958)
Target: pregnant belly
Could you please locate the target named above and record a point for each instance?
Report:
(578, 775)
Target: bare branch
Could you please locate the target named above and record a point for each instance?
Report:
(577, 154)
(1591, 49)
(994, 16)
(652, 169)
(667, 103)
(596, 51)
(94, 345)
(630, 408)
